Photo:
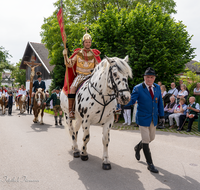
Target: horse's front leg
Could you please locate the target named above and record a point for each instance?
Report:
(73, 134)
(3, 110)
(35, 111)
(106, 139)
(86, 138)
(42, 114)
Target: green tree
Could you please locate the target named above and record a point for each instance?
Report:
(4, 63)
(88, 10)
(149, 36)
(19, 74)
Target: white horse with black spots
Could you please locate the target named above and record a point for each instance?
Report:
(96, 102)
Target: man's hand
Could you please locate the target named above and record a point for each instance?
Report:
(162, 119)
(45, 103)
(189, 108)
(65, 52)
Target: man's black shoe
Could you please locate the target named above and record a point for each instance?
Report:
(188, 130)
(56, 123)
(152, 168)
(160, 127)
(179, 129)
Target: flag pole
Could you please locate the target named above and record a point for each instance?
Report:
(62, 29)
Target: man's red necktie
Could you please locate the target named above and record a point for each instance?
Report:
(151, 92)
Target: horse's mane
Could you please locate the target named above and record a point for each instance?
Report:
(121, 64)
(40, 91)
(23, 97)
(104, 66)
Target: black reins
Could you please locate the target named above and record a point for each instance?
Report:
(114, 87)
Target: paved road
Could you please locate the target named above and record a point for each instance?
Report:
(39, 157)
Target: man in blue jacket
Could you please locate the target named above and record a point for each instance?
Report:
(150, 106)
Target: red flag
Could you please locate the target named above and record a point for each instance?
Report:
(61, 23)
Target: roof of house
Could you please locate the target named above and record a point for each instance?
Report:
(192, 67)
(6, 75)
(41, 53)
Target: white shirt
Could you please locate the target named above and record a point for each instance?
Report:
(196, 107)
(164, 93)
(151, 88)
(4, 93)
(173, 92)
(178, 108)
(22, 92)
(195, 90)
(183, 93)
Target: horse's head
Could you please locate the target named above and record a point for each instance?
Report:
(119, 70)
(39, 96)
(3, 97)
(23, 98)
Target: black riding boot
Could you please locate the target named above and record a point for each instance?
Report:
(71, 100)
(149, 161)
(137, 149)
(56, 122)
(60, 119)
(31, 108)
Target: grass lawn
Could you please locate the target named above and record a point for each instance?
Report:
(119, 126)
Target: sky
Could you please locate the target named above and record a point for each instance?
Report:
(21, 21)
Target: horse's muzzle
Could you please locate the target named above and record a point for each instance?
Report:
(124, 98)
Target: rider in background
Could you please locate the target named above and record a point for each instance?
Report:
(83, 61)
(39, 83)
(22, 91)
(3, 91)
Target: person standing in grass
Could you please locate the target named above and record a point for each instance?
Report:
(56, 105)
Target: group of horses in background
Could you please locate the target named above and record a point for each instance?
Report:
(22, 104)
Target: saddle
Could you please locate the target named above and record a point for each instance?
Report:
(81, 84)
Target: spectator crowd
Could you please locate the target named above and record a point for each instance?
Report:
(178, 108)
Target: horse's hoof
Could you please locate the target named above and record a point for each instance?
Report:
(41, 123)
(84, 158)
(106, 166)
(76, 154)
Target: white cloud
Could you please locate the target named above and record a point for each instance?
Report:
(21, 22)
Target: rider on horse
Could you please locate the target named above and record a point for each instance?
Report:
(21, 91)
(83, 61)
(39, 83)
(4, 91)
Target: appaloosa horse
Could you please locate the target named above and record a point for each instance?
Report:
(22, 103)
(38, 105)
(96, 102)
(3, 103)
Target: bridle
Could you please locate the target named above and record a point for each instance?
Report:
(39, 99)
(113, 96)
